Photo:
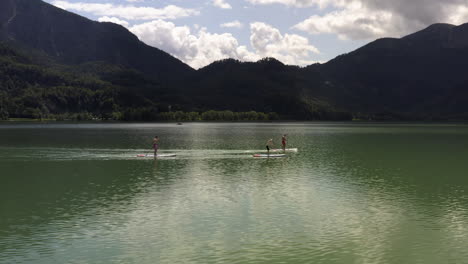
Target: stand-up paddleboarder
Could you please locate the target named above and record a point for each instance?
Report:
(156, 145)
(283, 142)
(269, 145)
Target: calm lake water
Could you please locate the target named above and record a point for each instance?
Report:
(353, 193)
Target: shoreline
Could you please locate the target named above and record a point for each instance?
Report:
(181, 123)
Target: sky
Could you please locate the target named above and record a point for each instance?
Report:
(296, 32)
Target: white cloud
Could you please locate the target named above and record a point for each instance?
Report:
(290, 48)
(128, 12)
(369, 19)
(458, 15)
(197, 50)
(221, 4)
(232, 24)
(113, 20)
(201, 48)
(413, 15)
(296, 3)
(354, 22)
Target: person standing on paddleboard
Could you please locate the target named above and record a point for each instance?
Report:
(283, 142)
(269, 145)
(155, 145)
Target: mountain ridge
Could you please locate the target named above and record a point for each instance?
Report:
(419, 76)
(416, 73)
(73, 39)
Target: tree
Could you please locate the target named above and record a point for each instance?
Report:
(3, 114)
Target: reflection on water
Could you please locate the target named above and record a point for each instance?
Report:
(363, 193)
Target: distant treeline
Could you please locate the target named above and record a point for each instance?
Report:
(409, 117)
(142, 114)
(148, 114)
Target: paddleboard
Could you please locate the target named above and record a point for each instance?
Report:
(269, 156)
(157, 156)
(287, 150)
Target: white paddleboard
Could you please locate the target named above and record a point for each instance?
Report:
(287, 150)
(269, 156)
(157, 156)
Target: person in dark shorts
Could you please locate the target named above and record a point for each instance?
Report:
(269, 145)
(155, 145)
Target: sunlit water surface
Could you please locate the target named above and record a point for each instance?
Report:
(353, 193)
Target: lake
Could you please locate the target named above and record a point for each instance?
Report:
(353, 193)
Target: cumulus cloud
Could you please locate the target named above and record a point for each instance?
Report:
(295, 3)
(221, 4)
(113, 20)
(201, 48)
(290, 48)
(128, 12)
(368, 19)
(232, 24)
(416, 14)
(196, 49)
(354, 22)
(459, 15)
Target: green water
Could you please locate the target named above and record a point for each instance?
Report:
(353, 193)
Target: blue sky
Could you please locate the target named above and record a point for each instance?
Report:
(296, 32)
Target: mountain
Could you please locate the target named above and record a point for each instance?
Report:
(54, 62)
(422, 74)
(39, 40)
(72, 39)
(419, 76)
(267, 85)
(142, 76)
